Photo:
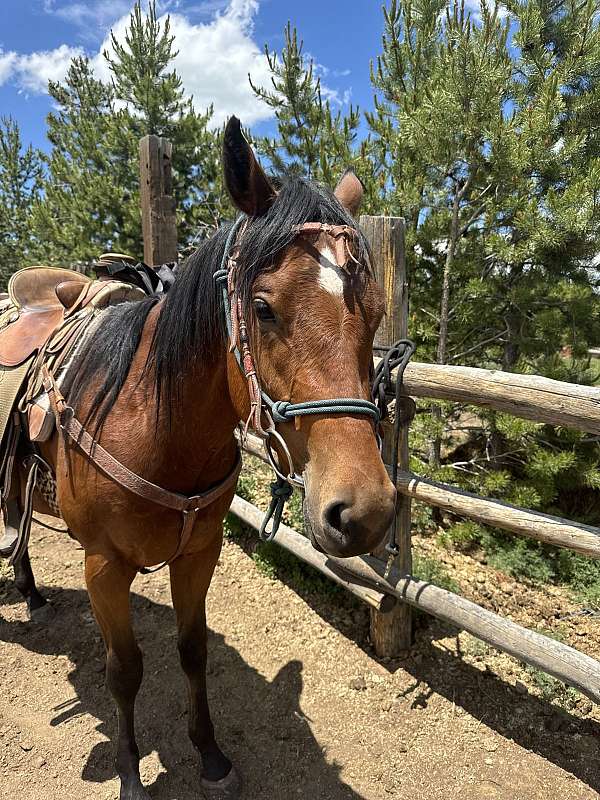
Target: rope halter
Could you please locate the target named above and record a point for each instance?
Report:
(280, 411)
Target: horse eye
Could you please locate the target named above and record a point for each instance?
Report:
(263, 311)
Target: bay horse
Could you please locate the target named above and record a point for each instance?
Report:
(160, 383)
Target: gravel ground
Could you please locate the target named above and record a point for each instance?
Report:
(299, 702)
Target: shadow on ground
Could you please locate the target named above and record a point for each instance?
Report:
(562, 738)
(259, 723)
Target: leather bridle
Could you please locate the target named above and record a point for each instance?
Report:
(264, 411)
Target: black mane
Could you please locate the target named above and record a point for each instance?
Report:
(191, 323)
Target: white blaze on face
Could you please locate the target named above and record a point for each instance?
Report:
(331, 277)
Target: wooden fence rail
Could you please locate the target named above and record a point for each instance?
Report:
(528, 396)
(556, 531)
(555, 658)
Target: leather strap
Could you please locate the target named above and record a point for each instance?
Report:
(341, 235)
(119, 473)
(87, 294)
(26, 513)
(9, 454)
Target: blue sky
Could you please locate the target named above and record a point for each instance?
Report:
(219, 42)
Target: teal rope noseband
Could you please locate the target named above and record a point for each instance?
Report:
(282, 410)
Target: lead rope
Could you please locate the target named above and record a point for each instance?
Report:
(396, 358)
(281, 491)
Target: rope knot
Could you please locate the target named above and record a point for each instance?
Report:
(279, 410)
(281, 491)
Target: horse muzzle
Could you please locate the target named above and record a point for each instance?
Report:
(349, 523)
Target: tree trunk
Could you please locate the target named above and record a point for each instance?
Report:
(435, 450)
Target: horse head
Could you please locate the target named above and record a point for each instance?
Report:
(305, 290)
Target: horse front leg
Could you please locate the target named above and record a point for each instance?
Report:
(108, 583)
(37, 606)
(190, 579)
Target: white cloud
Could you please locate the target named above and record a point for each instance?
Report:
(93, 17)
(36, 69)
(205, 8)
(335, 97)
(98, 13)
(214, 58)
(31, 72)
(214, 61)
(7, 66)
(474, 6)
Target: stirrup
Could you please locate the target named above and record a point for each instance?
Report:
(17, 524)
(8, 541)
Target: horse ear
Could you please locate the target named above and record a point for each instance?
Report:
(350, 191)
(246, 182)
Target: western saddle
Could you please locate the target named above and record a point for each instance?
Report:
(45, 315)
(35, 310)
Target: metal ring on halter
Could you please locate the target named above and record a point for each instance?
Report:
(291, 477)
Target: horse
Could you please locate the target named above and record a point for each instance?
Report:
(162, 384)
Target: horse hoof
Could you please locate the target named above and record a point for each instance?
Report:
(41, 614)
(228, 788)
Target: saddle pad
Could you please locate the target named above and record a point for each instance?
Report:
(11, 381)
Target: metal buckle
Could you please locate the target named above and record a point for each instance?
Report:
(291, 476)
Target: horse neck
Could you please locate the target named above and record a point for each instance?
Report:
(191, 441)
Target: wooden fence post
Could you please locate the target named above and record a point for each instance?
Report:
(159, 224)
(392, 633)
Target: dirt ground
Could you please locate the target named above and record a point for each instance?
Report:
(298, 700)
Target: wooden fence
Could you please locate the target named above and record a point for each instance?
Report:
(391, 590)
(369, 578)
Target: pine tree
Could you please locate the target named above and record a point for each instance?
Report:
(495, 170)
(141, 76)
(312, 139)
(444, 80)
(20, 181)
(489, 128)
(91, 196)
(156, 102)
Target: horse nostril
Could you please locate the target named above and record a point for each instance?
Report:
(333, 515)
(352, 525)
